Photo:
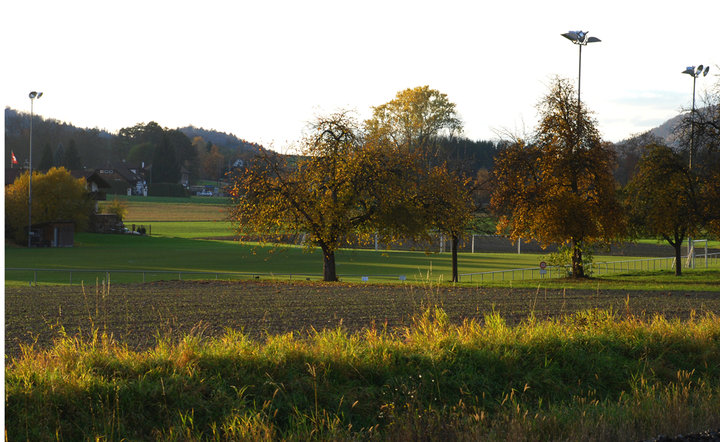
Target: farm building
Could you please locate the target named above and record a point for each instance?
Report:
(53, 234)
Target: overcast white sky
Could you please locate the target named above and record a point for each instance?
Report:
(263, 69)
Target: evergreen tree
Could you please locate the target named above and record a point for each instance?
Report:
(165, 168)
(72, 157)
(59, 160)
(46, 158)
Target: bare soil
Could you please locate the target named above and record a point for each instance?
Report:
(135, 314)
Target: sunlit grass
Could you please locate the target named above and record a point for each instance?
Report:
(594, 375)
(177, 254)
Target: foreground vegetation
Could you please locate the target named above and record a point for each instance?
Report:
(592, 375)
(135, 314)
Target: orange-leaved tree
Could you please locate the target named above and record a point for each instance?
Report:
(339, 185)
(559, 188)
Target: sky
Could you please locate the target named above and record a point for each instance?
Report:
(263, 70)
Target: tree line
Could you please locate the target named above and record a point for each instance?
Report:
(201, 153)
(395, 176)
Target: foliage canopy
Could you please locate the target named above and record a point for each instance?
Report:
(559, 188)
(56, 196)
(338, 186)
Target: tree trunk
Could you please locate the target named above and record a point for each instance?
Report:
(578, 271)
(329, 266)
(454, 250)
(678, 257)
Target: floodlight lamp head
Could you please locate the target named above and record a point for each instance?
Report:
(33, 94)
(570, 35)
(699, 69)
(690, 70)
(39, 94)
(707, 68)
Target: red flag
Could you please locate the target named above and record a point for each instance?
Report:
(14, 160)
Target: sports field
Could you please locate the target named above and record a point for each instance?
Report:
(151, 253)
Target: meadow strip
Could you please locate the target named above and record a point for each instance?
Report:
(135, 313)
(593, 375)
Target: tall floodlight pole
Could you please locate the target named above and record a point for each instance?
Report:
(694, 73)
(33, 96)
(580, 38)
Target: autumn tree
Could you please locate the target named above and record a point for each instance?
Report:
(212, 163)
(335, 188)
(415, 119)
(559, 188)
(57, 196)
(449, 206)
(663, 199)
(420, 124)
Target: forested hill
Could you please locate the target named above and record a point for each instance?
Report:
(95, 147)
(219, 138)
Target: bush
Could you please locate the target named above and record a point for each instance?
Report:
(118, 208)
(57, 196)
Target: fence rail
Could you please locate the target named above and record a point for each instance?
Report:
(71, 276)
(597, 268)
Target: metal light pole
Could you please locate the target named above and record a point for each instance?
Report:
(695, 73)
(580, 38)
(33, 96)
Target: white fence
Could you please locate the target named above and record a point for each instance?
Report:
(71, 276)
(597, 268)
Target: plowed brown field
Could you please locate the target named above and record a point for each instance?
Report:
(135, 314)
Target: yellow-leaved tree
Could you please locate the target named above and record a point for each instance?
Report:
(559, 188)
(414, 125)
(56, 196)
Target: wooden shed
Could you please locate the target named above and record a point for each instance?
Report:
(54, 234)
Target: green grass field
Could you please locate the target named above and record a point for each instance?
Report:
(176, 254)
(130, 252)
(186, 235)
(186, 229)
